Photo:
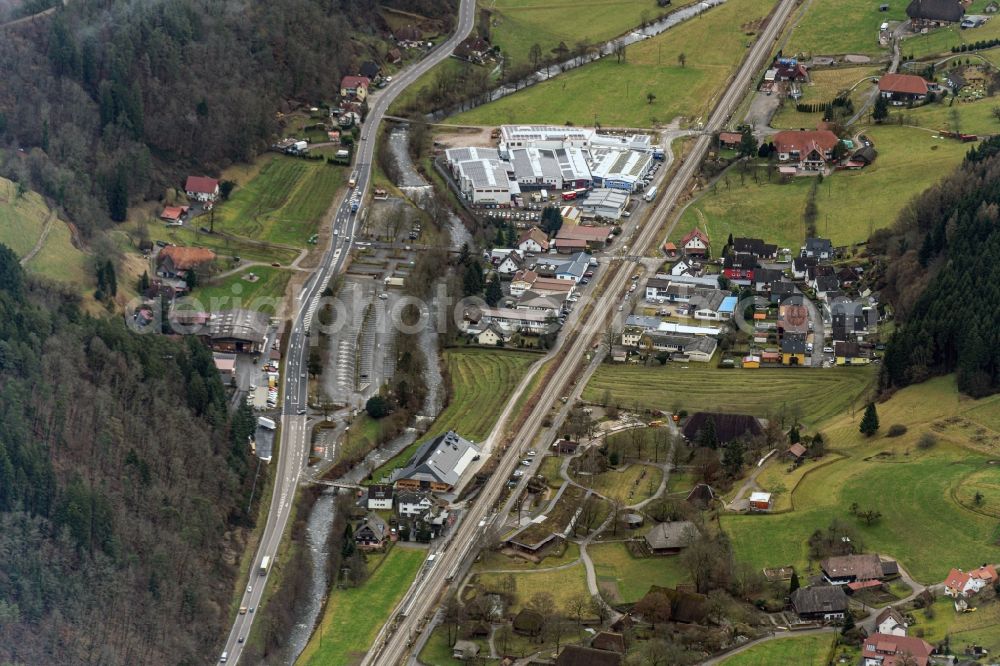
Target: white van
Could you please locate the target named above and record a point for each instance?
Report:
(224, 658)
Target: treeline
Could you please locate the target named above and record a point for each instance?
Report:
(943, 279)
(976, 46)
(122, 478)
(113, 102)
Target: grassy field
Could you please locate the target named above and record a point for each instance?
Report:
(824, 85)
(550, 470)
(235, 291)
(780, 477)
(817, 394)
(616, 92)
(562, 584)
(843, 26)
(629, 577)
(517, 24)
(284, 203)
(801, 650)
(851, 204)
(491, 560)
(437, 651)
(960, 116)
(940, 40)
(914, 488)
(226, 247)
(681, 482)
(22, 220)
(615, 484)
(353, 617)
(481, 382)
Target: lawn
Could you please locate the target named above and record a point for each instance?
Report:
(615, 484)
(550, 470)
(921, 524)
(824, 85)
(681, 482)
(352, 617)
(811, 650)
(283, 203)
(630, 577)
(482, 380)
(562, 584)
(492, 560)
(852, 204)
(22, 219)
(955, 116)
(778, 480)
(844, 26)
(518, 24)
(226, 247)
(437, 651)
(235, 291)
(616, 93)
(816, 394)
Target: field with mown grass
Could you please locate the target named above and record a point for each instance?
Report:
(518, 24)
(843, 27)
(961, 116)
(562, 584)
(226, 247)
(851, 204)
(824, 85)
(617, 484)
(22, 220)
(353, 616)
(482, 380)
(811, 650)
(628, 578)
(235, 290)
(816, 394)
(916, 488)
(616, 92)
(493, 560)
(284, 203)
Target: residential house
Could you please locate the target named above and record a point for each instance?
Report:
(379, 498)
(533, 240)
(609, 641)
(863, 156)
(902, 89)
(473, 49)
(849, 320)
(492, 336)
(755, 247)
(565, 447)
(817, 248)
(671, 538)
(683, 267)
(763, 278)
(510, 264)
(825, 286)
(888, 650)
(355, 87)
(408, 33)
(438, 464)
(850, 353)
(727, 426)
(202, 189)
(781, 291)
(572, 267)
(796, 452)
(413, 503)
(761, 501)
(522, 281)
(174, 215)
(844, 569)
(176, 262)
(695, 243)
(847, 277)
(730, 139)
(809, 150)
(435, 520)
(793, 349)
(890, 622)
(789, 69)
(934, 13)
(961, 583)
(801, 266)
(739, 268)
(369, 69)
(371, 533)
(820, 602)
(577, 655)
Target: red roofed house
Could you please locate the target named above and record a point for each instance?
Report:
(203, 189)
(810, 149)
(696, 243)
(355, 86)
(670, 249)
(173, 214)
(786, 69)
(960, 583)
(533, 240)
(902, 88)
(730, 139)
(174, 261)
(882, 650)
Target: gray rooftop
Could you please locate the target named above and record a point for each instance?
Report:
(441, 460)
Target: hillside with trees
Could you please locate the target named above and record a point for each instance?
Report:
(943, 279)
(108, 103)
(124, 485)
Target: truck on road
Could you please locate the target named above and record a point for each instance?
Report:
(353, 180)
(264, 563)
(265, 422)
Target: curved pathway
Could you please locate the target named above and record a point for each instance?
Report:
(41, 239)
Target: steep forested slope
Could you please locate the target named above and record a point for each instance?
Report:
(112, 100)
(120, 477)
(944, 279)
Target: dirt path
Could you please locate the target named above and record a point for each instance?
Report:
(738, 504)
(41, 239)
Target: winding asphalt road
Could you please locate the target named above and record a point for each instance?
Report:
(294, 440)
